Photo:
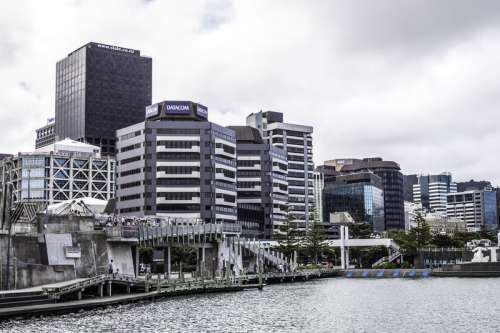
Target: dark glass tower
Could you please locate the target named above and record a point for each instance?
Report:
(360, 194)
(392, 180)
(99, 89)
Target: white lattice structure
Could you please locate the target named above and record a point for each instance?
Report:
(52, 177)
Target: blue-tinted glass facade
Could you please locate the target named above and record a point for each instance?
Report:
(490, 210)
(364, 202)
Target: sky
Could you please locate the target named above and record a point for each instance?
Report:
(411, 81)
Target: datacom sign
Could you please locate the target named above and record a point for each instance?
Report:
(152, 110)
(202, 111)
(177, 108)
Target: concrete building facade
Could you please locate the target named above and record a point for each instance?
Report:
(477, 208)
(321, 174)
(431, 191)
(46, 135)
(177, 164)
(262, 184)
(296, 140)
(62, 171)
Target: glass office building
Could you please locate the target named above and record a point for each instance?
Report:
(392, 183)
(63, 171)
(99, 89)
(359, 194)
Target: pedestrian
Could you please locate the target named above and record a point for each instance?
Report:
(110, 268)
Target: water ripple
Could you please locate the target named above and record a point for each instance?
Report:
(330, 305)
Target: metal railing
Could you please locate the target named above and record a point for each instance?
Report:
(122, 232)
(152, 232)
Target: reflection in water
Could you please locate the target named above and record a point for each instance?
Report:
(329, 305)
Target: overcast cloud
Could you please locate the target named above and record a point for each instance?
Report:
(410, 81)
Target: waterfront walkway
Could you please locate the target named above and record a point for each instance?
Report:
(106, 290)
(175, 289)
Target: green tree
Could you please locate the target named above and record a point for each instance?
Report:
(287, 239)
(422, 232)
(406, 242)
(487, 234)
(443, 240)
(360, 230)
(184, 258)
(461, 238)
(314, 239)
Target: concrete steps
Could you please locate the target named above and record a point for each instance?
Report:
(23, 299)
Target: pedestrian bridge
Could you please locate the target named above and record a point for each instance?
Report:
(162, 235)
(360, 242)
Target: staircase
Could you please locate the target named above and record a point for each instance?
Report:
(20, 298)
(272, 257)
(384, 260)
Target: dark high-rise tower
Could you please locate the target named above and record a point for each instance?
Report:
(99, 89)
(392, 180)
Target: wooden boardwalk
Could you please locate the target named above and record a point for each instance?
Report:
(133, 290)
(177, 289)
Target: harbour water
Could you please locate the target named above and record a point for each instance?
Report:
(327, 305)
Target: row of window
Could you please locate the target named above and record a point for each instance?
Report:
(130, 197)
(130, 160)
(248, 163)
(130, 135)
(129, 185)
(178, 195)
(227, 149)
(178, 144)
(248, 184)
(178, 170)
(131, 147)
(170, 156)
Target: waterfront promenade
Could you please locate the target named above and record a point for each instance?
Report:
(104, 290)
(320, 305)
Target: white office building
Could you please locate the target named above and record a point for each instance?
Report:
(319, 185)
(478, 209)
(431, 191)
(296, 140)
(177, 164)
(58, 172)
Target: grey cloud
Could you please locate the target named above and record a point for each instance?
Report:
(215, 14)
(412, 81)
(8, 51)
(408, 25)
